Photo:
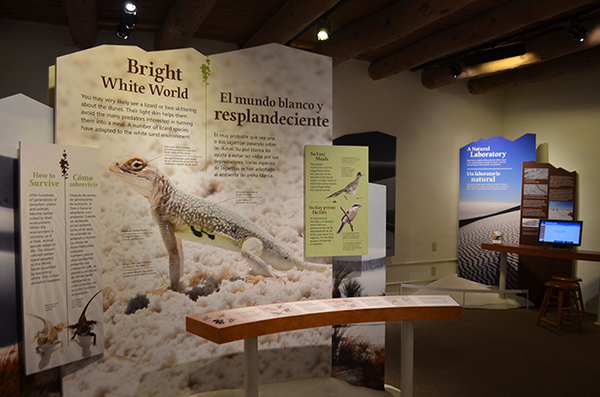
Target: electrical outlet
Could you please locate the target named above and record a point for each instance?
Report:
(433, 270)
(433, 246)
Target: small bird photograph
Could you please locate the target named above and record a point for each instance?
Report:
(350, 188)
(348, 217)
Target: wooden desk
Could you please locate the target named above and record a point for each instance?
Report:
(534, 250)
(250, 322)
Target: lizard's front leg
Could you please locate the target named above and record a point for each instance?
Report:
(251, 250)
(174, 249)
(39, 351)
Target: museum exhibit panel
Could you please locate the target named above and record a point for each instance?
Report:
(200, 212)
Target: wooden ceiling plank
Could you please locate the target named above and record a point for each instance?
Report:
(386, 26)
(497, 22)
(554, 44)
(291, 18)
(82, 17)
(573, 63)
(184, 19)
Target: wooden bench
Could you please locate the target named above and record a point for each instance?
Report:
(248, 323)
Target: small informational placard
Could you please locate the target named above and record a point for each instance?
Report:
(60, 249)
(336, 200)
(548, 193)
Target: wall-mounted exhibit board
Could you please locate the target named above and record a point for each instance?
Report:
(336, 200)
(382, 171)
(548, 193)
(60, 251)
(22, 119)
(179, 128)
(490, 198)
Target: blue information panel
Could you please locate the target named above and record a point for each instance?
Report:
(490, 199)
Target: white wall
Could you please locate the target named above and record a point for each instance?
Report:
(431, 126)
(564, 113)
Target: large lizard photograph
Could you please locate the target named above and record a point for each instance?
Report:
(181, 215)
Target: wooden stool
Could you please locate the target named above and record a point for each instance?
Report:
(557, 292)
(579, 294)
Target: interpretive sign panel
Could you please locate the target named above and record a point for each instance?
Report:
(23, 119)
(203, 187)
(60, 249)
(548, 193)
(336, 200)
(490, 198)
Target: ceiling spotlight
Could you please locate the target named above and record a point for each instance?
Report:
(130, 7)
(129, 13)
(577, 31)
(123, 31)
(128, 18)
(455, 69)
(323, 29)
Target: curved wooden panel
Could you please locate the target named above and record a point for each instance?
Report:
(249, 322)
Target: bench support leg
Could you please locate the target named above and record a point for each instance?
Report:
(407, 355)
(251, 367)
(503, 270)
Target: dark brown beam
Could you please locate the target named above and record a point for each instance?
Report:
(386, 26)
(496, 23)
(542, 48)
(82, 16)
(577, 62)
(291, 18)
(183, 21)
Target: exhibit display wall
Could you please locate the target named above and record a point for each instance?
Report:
(430, 126)
(223, 130)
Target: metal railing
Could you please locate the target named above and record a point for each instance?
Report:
(464, 291)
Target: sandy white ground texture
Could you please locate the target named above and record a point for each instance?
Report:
(480, 265)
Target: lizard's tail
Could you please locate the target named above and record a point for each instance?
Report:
(315, 267)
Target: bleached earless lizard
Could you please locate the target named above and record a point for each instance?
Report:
(181, 215)
(47, 336)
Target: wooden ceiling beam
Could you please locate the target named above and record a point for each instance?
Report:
(291, 18)
(489, 26)
(573, 63)
(386, 26)
(183, 21)
(542, 48)
(82, 16)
